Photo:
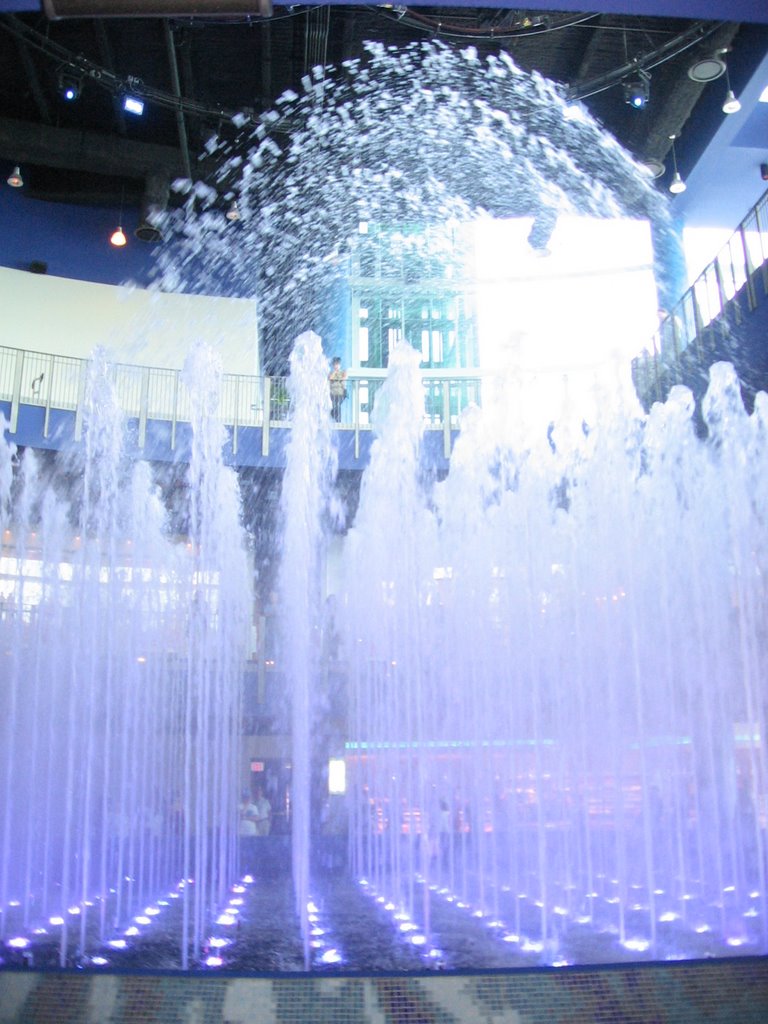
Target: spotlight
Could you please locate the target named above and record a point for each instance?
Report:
(731, 104)
(117, 238)
(15, 179)
(133, 105)
(637, 90)
(677, 185)
(233, 213)
(70, 84)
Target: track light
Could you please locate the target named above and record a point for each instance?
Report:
(133, 105)
(731, 104)
(15, 179)
(637, 90)
(70, 84)
(677, 185)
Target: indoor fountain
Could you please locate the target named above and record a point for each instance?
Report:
(551, 658)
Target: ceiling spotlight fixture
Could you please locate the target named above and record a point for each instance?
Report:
(731, 104)
(117, 238)
(15, 179)
(70, 84)
(637, 90)
(133, 105)
(233, 213)
(677, 185)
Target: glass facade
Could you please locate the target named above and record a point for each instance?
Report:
(408, 286)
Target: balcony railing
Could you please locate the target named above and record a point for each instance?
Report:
(692, 334)
(730, 288)
(144, 393)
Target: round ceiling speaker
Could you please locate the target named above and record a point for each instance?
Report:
(653, 167)
(707, 69)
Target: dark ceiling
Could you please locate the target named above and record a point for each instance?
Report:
(195, 72)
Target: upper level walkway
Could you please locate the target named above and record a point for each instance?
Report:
(722, 317)
(43, 398)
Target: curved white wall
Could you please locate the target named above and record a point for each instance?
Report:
(66, 317)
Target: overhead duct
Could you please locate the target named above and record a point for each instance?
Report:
(23, 142)
(153, 208)
(55, 9)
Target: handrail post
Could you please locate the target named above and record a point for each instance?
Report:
(143, 406)
(48, 394)
(236, 417)
(751, 294)
(446, 418)
(80, 406)
(16, 396)
(764, 265)
(356, 415)
(175, 409)
(266, 417)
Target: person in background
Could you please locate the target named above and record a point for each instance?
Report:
(337, 379)
(263, 813)
(247, 829)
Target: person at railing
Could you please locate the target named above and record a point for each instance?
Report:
(338, 385)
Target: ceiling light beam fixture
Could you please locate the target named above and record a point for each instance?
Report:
(637, 89)
(677, 185)
(731, 104)
(15, 179)
(70, 84)
(133, 105)
(117, 238)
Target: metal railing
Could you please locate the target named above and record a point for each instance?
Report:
(145, 393)
(728, 289)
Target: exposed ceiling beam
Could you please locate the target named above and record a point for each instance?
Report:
(181, 125)
(69, 149)
(108, 60)
(680, 97)
(34, 81)
(154, 8)
(592, 53)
